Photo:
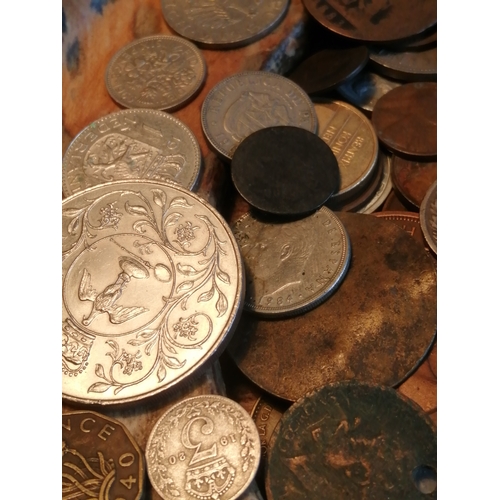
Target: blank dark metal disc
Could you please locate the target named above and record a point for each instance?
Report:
(374, 21)
(353, 441)
(328, 68)
(285, 171)
(377, 327)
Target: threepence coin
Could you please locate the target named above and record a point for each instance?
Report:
(100, 459)
(250, 101)
(221, 23)
(205, 447)
(158, 72)
(428, 217)
(152, 288)
(354, 441)
(292, 267)
(132, 144)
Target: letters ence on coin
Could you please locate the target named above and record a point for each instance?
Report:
(152, 287)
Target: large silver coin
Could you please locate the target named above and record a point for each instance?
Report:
(205, 447)
(159, 72)
(292, 267)
(152, 288)
(250, 101)
(132, 144)
(222, 23)
(428, 217)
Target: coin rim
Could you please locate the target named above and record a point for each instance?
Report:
(431, 192)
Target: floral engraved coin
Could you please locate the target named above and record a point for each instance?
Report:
(203, 448)
(158, 72)
(132, 144)
(152, 288)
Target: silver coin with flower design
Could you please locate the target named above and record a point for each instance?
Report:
(205, 447)
(152, 289)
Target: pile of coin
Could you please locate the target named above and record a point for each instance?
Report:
(317, 309)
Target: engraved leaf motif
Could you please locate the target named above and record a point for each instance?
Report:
(73, 225)
(180, 202)
(114, 345)
(245, 467)
(135, 209)
(187, 270)
(244, 451)
(221, 305)
(172, 219)
(170, 348)
(184, 286)
(99, 371)
(71, 212)
(206, 295)
(162, 373)
(173, 362)
(139, 226)
(223, 276)
(99, 387)
(148, 348)
(159, 197)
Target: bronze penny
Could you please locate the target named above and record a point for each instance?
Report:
(408, 221)
(374, 21)
(377, 327)
(405, 120)
(100, 458)
(353, 441)
(413, 178)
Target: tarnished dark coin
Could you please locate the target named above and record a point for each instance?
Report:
(408, 221)
(413, 178)
(425, 40)
(325, 70)
(377, 327)
(353, 441)
(410, 65)
(285, 170)
(374, 21)
(428, 217)
(100, 459)
(405, 120)
(396, 203)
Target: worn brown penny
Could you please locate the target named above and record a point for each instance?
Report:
(405, 120)
(377, 327)
(413, 178)
(374, 21)
(408, 221)
(353, 441)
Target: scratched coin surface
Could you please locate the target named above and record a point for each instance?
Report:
(351, 137)
(377, 327)
(132, 144)
(158, 72)
(152, 288)
(356, 441)
(205, 447)
(292, 267)
(250, 101)
(100, 459)
(428, 217)
(220, 24)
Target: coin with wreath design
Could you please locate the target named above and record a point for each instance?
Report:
(152, 289)
(203, 448)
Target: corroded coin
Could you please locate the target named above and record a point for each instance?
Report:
(158, 72)
(351, 137)
(408, 221)
(374, 21)
(100, 458)
(219, 24)
(132, 144)
(377, 327)
(152, 288)
(428, 217)
(250, 101)
(355, 441)
(405, 120)
(292, 267)
(206, 447)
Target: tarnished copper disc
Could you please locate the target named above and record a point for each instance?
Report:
(374, 21)
(353, 441)
(405, 120)
(376, 327)
(408, 221)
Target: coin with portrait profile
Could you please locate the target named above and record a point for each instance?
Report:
(291, 267)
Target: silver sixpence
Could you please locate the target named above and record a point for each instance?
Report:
(428, 217)
(152, 289)
(292, 267)
(223, 23)
(250, 101)
(205, 447)
(159, 72)
(132, 144)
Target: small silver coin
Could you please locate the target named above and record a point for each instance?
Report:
(292, 267)
(428, 217)
(246, 102)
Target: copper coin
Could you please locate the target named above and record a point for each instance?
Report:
(374, 21)
(426, 39)
(100, 458)
(323, 71)
(413, 178)
(428, 217)
(395, 203)
(353, 441)
(405, 120)
(408, 221)
(377, 327)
